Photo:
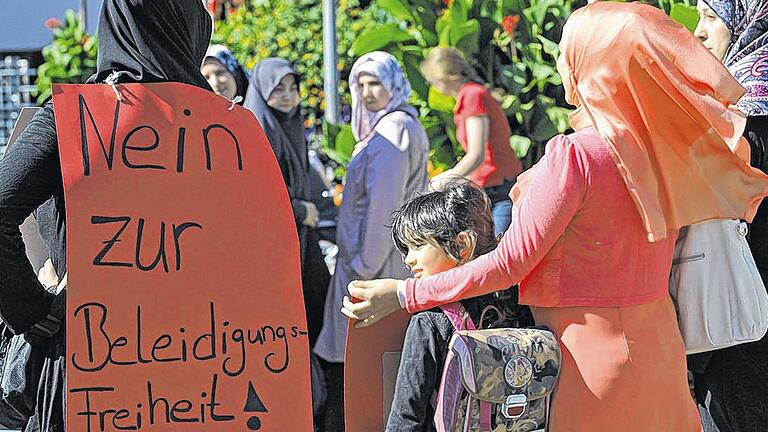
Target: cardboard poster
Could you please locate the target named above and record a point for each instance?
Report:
(185, 309)
(370, 372)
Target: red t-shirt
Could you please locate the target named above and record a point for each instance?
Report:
(501, 162)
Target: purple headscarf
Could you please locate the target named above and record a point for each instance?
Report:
(747, 56)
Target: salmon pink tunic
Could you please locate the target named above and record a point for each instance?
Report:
(579, 249)
(576, 239)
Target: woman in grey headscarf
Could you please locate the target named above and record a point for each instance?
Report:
(273, 95)
(388, 166)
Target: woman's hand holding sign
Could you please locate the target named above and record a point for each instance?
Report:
(371, 301)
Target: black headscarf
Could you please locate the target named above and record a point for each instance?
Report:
(153, 41)
(284, 131)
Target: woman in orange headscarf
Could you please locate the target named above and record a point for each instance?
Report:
(592, 237)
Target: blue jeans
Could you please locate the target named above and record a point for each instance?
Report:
(502, 216)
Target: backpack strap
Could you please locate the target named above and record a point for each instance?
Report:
(461, 320)
(449, 395)
(458, 316)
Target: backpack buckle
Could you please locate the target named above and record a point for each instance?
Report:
(514, 406)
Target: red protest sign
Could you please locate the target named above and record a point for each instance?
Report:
(185, 309)
(370, 372)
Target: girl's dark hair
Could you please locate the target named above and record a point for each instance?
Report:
(438, 218)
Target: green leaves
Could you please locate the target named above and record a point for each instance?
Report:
(397, 8)
(343, 140)
(70, 57)
(518, 61)
(464, 36)
(379, 37)
(685, 15)
(455, 29)
(440, 102)
(560, 118)
(520, 144)
(549, 47)
(493, 9)
(521, 63)
(538, 10)
(411, 61)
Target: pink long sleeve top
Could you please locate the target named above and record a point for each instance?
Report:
(576, 239)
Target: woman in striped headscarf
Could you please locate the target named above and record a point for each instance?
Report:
(388, 166)
(736, 32)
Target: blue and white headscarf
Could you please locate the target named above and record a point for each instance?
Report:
(223, 55)
(386, 68)
(747, 56)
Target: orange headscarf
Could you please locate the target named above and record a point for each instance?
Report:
(666, 108)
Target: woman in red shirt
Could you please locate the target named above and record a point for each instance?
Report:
(592, 237)
(481, 128)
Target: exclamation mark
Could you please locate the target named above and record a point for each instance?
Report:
(253, 404)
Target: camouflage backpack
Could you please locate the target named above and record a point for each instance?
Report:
(496, 380)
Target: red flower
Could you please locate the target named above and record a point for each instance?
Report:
(447, 3)
(510, 24)
(53, 23)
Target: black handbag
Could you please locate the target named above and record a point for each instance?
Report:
(13, 415)
(22, 366)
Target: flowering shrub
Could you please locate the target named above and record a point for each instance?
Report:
(70, 58)
(509, 23)
(511, 45)
(294, 30)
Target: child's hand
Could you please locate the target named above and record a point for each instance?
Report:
(312, 214)
(378, 299)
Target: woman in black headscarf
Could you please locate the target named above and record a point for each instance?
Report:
(139, 41)
(273, 95)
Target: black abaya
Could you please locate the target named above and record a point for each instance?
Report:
(139, 41)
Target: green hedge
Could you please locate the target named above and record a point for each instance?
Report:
(70, 58)
(294, 30)
(511, 43)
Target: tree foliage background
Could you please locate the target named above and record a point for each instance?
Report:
(512, 45)
(293, 30)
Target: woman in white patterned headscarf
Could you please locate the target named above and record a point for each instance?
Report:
(385, 69)
(732, 381)
(389, 165)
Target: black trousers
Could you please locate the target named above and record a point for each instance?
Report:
(315, 279)
(737, 379)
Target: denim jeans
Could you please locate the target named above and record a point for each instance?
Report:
(502, 216)
(501, 205)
